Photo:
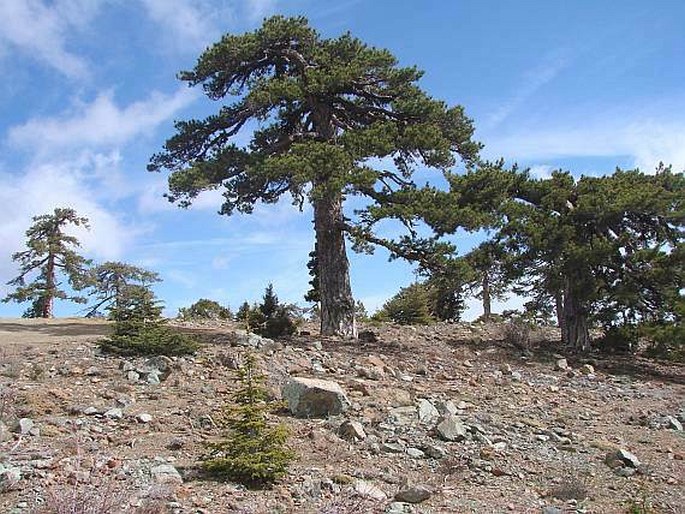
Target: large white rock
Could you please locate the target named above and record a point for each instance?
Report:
(314, 398)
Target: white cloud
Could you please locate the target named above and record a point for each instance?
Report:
(532, 82)
(645, 141)
(189, 25)
(40, 190)
(41, 29)
(101, 122)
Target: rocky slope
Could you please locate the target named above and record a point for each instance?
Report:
(445, 418)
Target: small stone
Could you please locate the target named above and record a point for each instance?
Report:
(674, 424)
(561, 365)
(115, 413)
(24, 426)
(92, 371)
(90, 411)
(415, 453)
(551, 510)
(144, 417)
(368, 490)
(428, 414)
(126, 366)
(133, 376)
(352, 430)
(451, 429)
(415, 494)
(165, 474)
(516, 376)
(393, 447)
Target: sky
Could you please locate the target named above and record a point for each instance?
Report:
(90, 93)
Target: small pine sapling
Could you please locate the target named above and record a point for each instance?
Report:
(253, 452)
(139, 328)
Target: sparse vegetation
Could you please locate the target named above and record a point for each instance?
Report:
(252, 452)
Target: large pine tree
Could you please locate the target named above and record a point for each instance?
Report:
(322, 112)
(51, 253)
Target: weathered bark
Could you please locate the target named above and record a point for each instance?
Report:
(575, 330)
(49, 298)
(487, 300)
(337, 304)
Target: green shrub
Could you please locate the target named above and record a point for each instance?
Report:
(205, 309)
(252, 452)
(140, 330)
(408, 307)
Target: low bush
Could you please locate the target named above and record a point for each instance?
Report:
(140, 330)
(159, 340)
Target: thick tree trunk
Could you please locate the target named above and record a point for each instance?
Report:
(487, 301)
(575, 330)
(559, 309)
(49, 298)
(337, 304)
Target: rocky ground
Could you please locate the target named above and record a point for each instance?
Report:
(446, 418)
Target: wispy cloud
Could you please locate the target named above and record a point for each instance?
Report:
(532, 82)
(41, 31)
(189, 25)
(645, 141)
(101, 122)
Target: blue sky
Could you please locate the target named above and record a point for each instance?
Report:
(90, 94)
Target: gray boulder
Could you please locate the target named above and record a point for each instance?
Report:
(451, 429)
(314, 398)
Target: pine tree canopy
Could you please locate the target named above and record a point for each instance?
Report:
(323, 107)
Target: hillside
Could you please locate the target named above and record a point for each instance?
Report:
(533, 435)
